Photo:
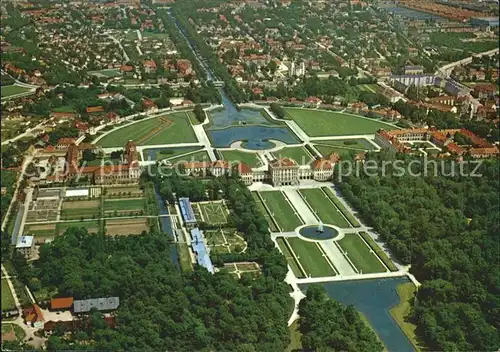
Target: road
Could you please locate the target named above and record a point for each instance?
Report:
(27, 160)
(120, 45)
(25, 133)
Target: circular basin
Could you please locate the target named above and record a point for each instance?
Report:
(256, 144)
(312, 232)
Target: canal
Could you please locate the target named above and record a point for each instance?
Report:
(373, 298)
(231, 124)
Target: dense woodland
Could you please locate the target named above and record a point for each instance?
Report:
(447, 228)
(326, 324)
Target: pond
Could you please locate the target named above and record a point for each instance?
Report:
(256, 137)
(373, 298)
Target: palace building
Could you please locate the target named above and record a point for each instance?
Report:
(128, 171)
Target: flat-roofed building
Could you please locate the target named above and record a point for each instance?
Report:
(25, 245)
(187, 212)
(101, 304)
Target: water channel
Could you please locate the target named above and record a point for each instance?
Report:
(373, 298)
(231, 124)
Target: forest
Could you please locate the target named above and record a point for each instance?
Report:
(327, 324)
(447, 228)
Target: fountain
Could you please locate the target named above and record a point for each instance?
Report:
(320, 227)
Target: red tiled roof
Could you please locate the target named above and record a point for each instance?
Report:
(321, 164)
(66, 141)
(92, 109)
(60, 303)
(283, 162)
(127, 68)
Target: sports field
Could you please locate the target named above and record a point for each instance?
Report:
(214, 213)
(324, 207)
(13, 89)
(234, 156)
(7, 298)
(300, 154)
(289, 257)
(317, 123)
(357, 143)
(310, 257)
(361, 255)
(166, 129)
(281, 210)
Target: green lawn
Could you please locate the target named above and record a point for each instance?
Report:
(311, 257)
(234, 156)
(184, 257)
(166, 129)
(111, 72)
(78, 213)
(357, 143)
(202, 155)
(300, 154)
(324, 208)
(7, 298)
(263, 210)
(167, 153)
(13, 89)
(64, 108)
(282, 212)
(18, 331)
(372, 88)
(342, 152)
(317, 123)
(289, 257)
(401, 311)
(214, 213)
(124, 205)
(351, 218)
(295, 337)
(378, 251)
(361, 255)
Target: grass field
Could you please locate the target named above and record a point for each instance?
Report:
(358, 143)
(400, 312)
(111, 72)
(351, 218)
(233, 156)
(378, 251)
(324, 208)
(342, 152)
(289, 257)
(300, 154)
(18, 331)
(214, 213)
(124, 205)
(184, 257)
(41, 231)
(64, 108)
(295, 337)
(202, 155)
(125, 227)
(167, 153)
(13, 89)
(7, 298)
(318, 123)
(80, 213)
(372, 88)
(263, 210)
(166, 129)
(311, 258)
(361, 255)
(281, 210)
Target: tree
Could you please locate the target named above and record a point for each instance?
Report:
(278, 110)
